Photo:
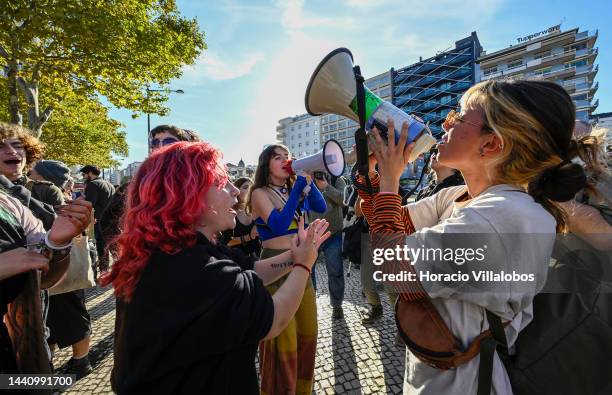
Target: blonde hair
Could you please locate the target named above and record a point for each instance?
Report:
(534, 120)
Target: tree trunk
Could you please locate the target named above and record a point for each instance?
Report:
(11, 75)
(13, 103)
(30, 92)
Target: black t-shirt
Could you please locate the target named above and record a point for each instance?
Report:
(193, 324)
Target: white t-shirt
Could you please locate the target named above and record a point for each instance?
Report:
(496, 215)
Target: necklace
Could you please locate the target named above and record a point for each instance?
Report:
(281, 188)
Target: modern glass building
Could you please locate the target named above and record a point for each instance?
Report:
(432, 87)
(565, 57)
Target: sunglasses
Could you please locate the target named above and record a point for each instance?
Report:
(455, 116)
(155, 143)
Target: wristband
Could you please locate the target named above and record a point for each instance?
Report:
(302, 266)
(52, 246)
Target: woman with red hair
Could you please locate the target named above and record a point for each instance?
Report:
(191, 311)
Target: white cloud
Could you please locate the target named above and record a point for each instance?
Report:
(280, 93)
(295, 18)
(388, 36)
(211, 66)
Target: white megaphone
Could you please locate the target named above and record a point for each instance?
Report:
(329, 159)
(332, 89)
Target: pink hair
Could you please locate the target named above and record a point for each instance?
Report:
(165, 200)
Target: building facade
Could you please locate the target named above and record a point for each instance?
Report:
(432, 87)
(565, 57)
(603, 120)
(240, 170)
(300, 134)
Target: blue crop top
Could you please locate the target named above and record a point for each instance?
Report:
(283, 222)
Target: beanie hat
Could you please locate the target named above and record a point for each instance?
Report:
(53, 171)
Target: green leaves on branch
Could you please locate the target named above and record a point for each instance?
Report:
(87, 49)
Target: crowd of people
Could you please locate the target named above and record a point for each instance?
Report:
(211, 273)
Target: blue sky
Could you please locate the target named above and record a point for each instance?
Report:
(261, 53)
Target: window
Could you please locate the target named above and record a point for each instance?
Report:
(384, 92)
(515, 63)
(292, 128)
(341, 135)
(544, 70)
(307, 134)
(490, 70)
(324, 120)
(299, 135)
(316, 142)
(333, 136)
(333, 117)
(307, 143)
(299, 126)
(542, 55)
(576, 63)
(292, 146)
(445, 99)
(342, 124)
(307, 124)
(333, 127)
(300, 145)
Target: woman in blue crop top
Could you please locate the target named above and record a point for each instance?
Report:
(277, 200)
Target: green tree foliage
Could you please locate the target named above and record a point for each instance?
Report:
(65, 55)
(79, 132)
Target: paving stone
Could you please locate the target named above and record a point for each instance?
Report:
(351, 358)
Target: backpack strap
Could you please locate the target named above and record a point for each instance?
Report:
(487, 351)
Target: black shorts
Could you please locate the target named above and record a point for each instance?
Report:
(68, 319)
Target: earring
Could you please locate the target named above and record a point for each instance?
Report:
(481, 153)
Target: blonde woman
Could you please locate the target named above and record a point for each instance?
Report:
(512, 142)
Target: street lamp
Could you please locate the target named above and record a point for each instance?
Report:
(179, 91)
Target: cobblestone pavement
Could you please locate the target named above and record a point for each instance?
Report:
(351, 358)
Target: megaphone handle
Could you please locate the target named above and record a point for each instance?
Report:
(361, 141)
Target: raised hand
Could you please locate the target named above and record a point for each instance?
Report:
(392, 158)
(305, 245)
(72, 219)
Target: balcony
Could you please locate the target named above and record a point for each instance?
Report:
(587, 69)
(587, 34)
(587, 52)
(586, 104)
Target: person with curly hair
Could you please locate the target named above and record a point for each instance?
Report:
(19, 151)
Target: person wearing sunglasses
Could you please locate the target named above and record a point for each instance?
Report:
(512, 142)
(163, 135)
(160, 136)
(442, 177)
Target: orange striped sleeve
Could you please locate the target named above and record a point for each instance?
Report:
(389, 228)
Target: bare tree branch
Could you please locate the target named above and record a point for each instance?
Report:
(37, 128)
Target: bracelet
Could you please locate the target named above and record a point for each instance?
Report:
(302, 266)
(53, 246)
